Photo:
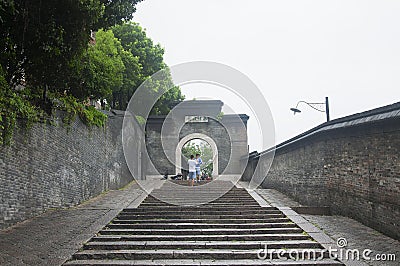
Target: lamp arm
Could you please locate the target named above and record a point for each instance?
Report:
(311, 105)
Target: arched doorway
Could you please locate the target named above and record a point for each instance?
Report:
(187, 138)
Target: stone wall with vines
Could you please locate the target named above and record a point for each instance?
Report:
(52, 165)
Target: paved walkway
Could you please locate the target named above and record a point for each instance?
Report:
(51, 238)
(234, 228)
(358, 236)
(276, 198)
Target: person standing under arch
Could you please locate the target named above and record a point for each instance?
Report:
(192, 170)
(199, 162)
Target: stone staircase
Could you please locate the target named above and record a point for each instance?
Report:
(231, 230)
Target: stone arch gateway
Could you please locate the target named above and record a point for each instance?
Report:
(184, 140)
(196, 119)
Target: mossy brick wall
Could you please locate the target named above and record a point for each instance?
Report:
(51, 166)
(354, 170)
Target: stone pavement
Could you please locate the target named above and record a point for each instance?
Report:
(51, 238)
(276, 198)
(234, 228)
(358, 236)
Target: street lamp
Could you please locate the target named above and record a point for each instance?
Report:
(313, 105)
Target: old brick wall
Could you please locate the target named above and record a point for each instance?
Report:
(363, 170)
(298, 171)
(51, 166)
(355, 170)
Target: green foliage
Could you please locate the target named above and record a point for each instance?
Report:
(170, 94)
(100, 70)
(39, 39)
(140, 120)
(116, 11)
(88, 114)
(220, 115)
(93, 117)
(134, 40)
(46, 60)
(15, 105)
(118, 63)
(12, 106)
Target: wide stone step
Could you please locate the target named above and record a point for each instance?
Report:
(210, 189)
(199, 254)
(232, 198)
(215, 221)
(325, 262)
(230, 230)
(201, 201)
(129, 224)
(192, 202)
(237, 237)
(200, 212)
(205, 193)
(196, 216)
(197, 231)
(200, 207)
(205, 196)
(198, 194)
(201, 245)
(188, 204)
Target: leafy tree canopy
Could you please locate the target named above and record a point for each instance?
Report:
(100, 70)
(134, 39)
(45, 54)
(113, 71)
(39, 38)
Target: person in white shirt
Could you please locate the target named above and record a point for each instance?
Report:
(192, 170)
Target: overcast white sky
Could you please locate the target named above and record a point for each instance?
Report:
(292, 50)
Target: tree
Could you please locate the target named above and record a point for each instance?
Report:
(39, 38)
(100, 71)
(116, 11)
(42, 45)
(44, 48)
(108, 70)
(134, 39)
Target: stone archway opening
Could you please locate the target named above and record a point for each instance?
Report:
(196, 139)
(202, 147)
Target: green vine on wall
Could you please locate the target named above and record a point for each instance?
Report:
(219, 116)
(17, 105)
(13, 106)
(88, 114)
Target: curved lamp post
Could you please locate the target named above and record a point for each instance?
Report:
(313, 105)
